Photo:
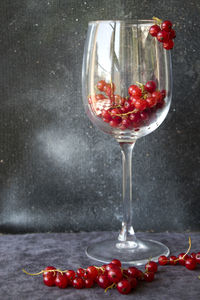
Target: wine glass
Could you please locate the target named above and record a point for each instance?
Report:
(127, 90)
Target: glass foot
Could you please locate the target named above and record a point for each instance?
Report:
(137, 252)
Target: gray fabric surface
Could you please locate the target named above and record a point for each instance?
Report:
(66, 250)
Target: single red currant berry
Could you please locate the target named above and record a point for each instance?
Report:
(80, 272)
(151, 101)
(182, 258)
(190, 263)
(141, 104)
(172, 34)
(135, 118)
(106, 114)
(88, 283)
(198, 257)
(124, 287)
(157, 95)
(101, 84)
(114, 123)
(103, 281)
(49, 268)
(173, 260)
(115, 275)
(166, 25)
(92, 271)
(99, 97)
(116, 262)
(163, 36)
(149, 276)
(70, 276)
(78, 283)
(132, 272)
(150, 86)
(61, 280)
(134, 90)
(144, 115)
(49, 279)
(193, 255)
(126, 123)
(168, 45)
(163, 260)
(114, 112)
(151, 266)
(128, 105)
(140, 275)
(133, 281)
(154, 29)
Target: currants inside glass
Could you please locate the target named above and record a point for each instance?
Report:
(127, 90)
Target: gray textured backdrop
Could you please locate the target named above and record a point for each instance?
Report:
(58, 172)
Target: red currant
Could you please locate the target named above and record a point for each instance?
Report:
(182, 258)
(190, 263)
(166, 25)
(173, 260)
(134, 90)
(151, 266)
(157, 95)
(133, 281)
(124, 287)
(141, 104)
(128, 105)
(168, 45)
(70, 276)
(78, 283)
(154, 29)
(106, 114)
(61, 280)
(116, 262)
(172, 34)
(144, 115)
(80, 272)
(49, 279)
(92, 271)
(150, 86)
(115, 275)
(149, 276)
(151, 101)
(88, 283)
(114, 112)
(163, 260)
(101, 84)
(126, 123)
(140, 275)
(132, 272)
(47, 269)
(114, 123)
(163, 93)
(103, 281)
(163, 36)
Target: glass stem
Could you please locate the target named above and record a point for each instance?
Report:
(127, 232)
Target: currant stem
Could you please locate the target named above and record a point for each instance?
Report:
(113, 285)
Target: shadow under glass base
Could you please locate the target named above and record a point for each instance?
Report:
(136, 252)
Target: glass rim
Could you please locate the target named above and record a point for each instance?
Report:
(126, 21)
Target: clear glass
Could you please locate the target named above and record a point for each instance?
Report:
(122, 53)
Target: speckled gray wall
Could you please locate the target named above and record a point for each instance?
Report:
(58, 172)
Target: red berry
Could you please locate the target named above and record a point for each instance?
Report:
(124, 287)
(144, 115)
(193, 255)
(163, 36)
(78, 283)
(163, 260)
(80, 272)
(132, 272)
(106, 114)
(101, 84)
(116, 262)
(70, 276)
(114, 123)
(151, 101)
(99, 97)
(128, 105)
(103, 281)
(150, 86)
(157, 95)
(173, 260)
(61, 280)
(168, 45)
(172, 34)
(49, 268)
(133, 281)
(198, 257)
(182, 258)
(110, 266)
(118, 100)
(92, 271)
(166, 25)
(49, 279)
(140, 275)
(134, 90)
(154, 29)
(149, 276)
(126, 123)
(141, 104)
(163, 93)
(115, 275)
(151, 266)
(114, 112)
(190, 263)
(88, 283)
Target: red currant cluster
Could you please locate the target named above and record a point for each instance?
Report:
(163, 32)
(107, 276)
(189, 261)
(130, 112)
